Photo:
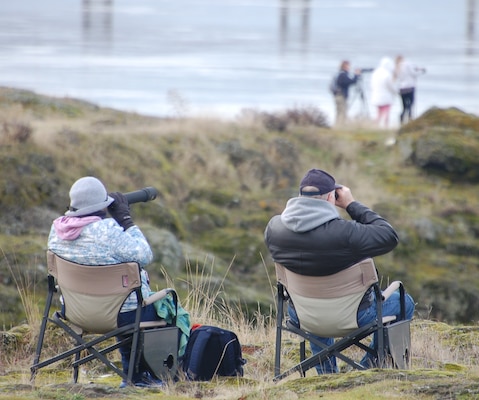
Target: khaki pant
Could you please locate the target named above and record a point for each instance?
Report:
(341, 109)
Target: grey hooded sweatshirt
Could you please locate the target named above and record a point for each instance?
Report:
(310, 237)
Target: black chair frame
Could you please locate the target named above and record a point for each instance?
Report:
(381, 354)
(97, 347)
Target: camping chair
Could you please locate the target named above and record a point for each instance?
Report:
(93, 296)
(322, 312)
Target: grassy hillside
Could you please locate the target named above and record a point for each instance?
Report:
(220, 182)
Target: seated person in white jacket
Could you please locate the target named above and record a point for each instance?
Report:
(86, 235)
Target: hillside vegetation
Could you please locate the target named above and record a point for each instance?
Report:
(219, 183)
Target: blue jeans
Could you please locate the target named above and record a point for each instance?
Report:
(390, 307)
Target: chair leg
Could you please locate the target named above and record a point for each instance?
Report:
(302, 355)
(81, 345)
(279, 329)
(135, 341)
(381, 352)
(75, 365)
(335, 350)
(133, 365)
(41, 336)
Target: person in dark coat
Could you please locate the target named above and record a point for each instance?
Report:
(310, 238)
(343, 81)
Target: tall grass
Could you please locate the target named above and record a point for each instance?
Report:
(207, 303)
(26, 288)
(434, 345)
(16, 345)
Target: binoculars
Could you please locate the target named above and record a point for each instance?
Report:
(142, 195)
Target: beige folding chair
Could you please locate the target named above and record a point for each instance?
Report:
(93, 296)
(327, 307)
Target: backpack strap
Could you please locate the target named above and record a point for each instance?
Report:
(232, 360)
(200, 340)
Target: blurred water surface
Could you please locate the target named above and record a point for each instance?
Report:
(163, 57)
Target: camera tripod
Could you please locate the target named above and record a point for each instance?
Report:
(359, 96)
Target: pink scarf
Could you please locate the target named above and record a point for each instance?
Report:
(69, 228)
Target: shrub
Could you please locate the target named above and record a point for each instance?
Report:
(15, 132)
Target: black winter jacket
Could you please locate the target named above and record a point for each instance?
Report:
(344, 81)
(333, 243)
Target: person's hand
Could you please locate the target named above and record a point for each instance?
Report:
(120, 210)
(344, 197)
(358, 71)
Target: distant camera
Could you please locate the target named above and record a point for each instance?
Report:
(365, 70)
(142, 195)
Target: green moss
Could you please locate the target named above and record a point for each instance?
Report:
(26, 178)
(204, 216)
(443, 142)
(450, 117)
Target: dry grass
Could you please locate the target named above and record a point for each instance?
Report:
(435, 347)
(171, 154)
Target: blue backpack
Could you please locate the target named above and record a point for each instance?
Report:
(212, 351)
(333, 85)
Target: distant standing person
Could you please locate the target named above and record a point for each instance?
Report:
(383, 90)
(341, 90)
(406, 75)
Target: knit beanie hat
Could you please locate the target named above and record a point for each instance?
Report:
(87, 195)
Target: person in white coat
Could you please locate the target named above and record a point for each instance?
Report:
(406, 75)
(383, 90)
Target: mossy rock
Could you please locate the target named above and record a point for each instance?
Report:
(443, 142)
(166, 249)
(449, 152)
(449, 117)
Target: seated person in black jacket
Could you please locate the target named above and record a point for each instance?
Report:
(310, 238)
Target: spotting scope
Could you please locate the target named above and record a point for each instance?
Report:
(141, 195)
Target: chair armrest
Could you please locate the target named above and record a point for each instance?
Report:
(156, 296)
(391, 289)
(153, 324)
(402, 296)
(389, 318)
(160, 295)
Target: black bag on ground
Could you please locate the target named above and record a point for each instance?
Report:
(212, 351)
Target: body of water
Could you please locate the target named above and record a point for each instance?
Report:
(166, 57)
